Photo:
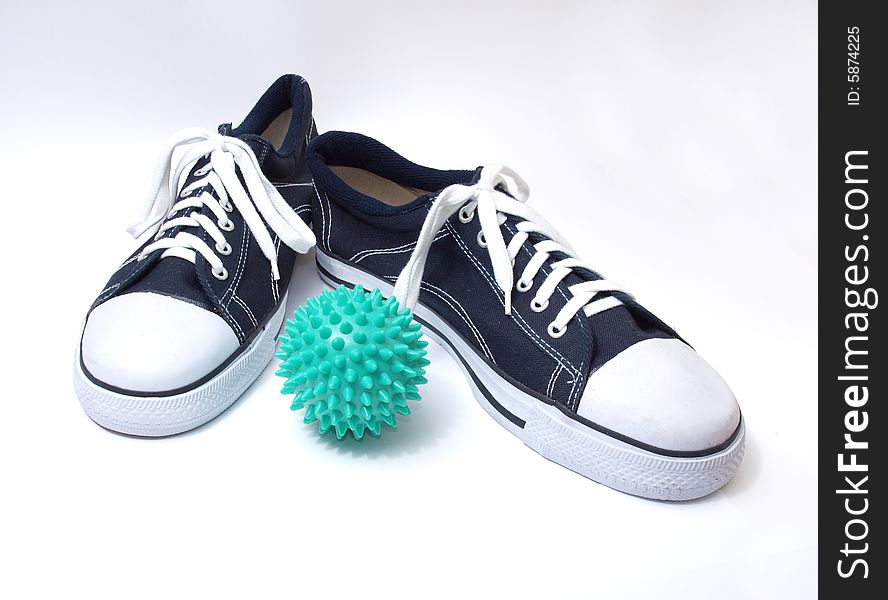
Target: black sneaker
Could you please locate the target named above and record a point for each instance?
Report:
(564, 359)
(190, 319)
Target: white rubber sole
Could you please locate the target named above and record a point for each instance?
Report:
(555, 435)
(157, 416)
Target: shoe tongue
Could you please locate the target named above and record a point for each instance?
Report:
(274, 166)
(259, 145)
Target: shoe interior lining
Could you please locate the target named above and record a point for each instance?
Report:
(380, 188)
(276, 132)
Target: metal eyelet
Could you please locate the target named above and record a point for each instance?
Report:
(224, 250)
(199, 173)
(226, 225)
(537, 306)
(227, 207)
(220, 275)
(466, 216)
(556, 332)
(481, 241)
(523, 286)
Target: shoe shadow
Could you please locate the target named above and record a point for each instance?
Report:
(748, 471)
(422, 429)
(743, 480)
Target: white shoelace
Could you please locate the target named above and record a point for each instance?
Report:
(259, 198)
(492, 206)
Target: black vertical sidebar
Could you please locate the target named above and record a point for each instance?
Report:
(853, 373)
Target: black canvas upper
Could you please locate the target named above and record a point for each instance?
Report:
(248, 297)
(458, 283)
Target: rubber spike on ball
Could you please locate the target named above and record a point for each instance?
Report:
(352, 359)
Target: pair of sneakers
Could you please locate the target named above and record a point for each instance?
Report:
(563, 358)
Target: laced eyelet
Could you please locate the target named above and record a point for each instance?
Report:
(220, 275)
(201, 172)
(481, 241)
(523, 286)
(466, 216)
(224, 250)
(537, 306)
(227, 207)
(226, 225)
(556, 332)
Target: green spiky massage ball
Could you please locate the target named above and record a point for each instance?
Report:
(353, 359)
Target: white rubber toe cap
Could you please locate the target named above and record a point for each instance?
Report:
(147, 342)
(662, 393)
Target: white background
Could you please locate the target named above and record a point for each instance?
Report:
(673, 143)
